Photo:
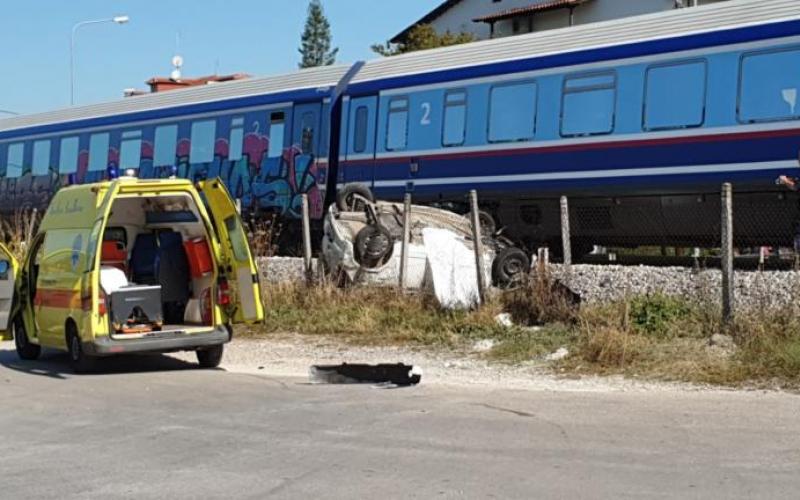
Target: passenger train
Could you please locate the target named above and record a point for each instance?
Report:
(639, 121)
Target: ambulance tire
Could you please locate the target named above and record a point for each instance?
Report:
(25, 350)
(80, 361)
(210, 357)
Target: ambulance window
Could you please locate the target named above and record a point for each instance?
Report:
(68, 157)
(14, 162)
(203, 135)
(237, 237)
(41, 157)
(236, 139)
(276, 133)
(130, 152)
(98, 152)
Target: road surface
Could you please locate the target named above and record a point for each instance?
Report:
(157, 427)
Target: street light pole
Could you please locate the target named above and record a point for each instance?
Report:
(115, 20)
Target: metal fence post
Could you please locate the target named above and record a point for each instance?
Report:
(406, 240)
(306, 235)
(727, 253)
(565, 233)
(476, 236)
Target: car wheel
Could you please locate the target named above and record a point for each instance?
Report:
(510, 267)
(373, 244)
(487, 222)
(210, 357)
(80, 361)
(25, 350)
(354, 198)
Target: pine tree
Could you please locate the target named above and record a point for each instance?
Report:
(315, 44)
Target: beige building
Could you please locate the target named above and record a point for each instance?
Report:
(499, 18)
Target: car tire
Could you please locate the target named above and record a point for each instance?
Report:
(487, 222)
(79, 360)
(510, 266)
(373, 244)
(210, 357)
(25, 350)
(351, 198)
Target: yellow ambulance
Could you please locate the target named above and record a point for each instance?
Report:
(132, 266)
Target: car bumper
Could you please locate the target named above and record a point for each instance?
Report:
(159, 342)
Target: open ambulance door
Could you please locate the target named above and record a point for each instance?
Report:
(239, 267)
(8, 275)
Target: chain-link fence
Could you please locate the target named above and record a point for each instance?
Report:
(682, 230)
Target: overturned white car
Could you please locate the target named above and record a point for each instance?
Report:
(363, 240)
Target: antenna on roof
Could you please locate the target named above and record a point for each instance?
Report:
(177, 60)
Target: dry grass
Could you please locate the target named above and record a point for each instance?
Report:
(651, 337)
(17, 230)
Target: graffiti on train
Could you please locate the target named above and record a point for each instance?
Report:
(262, 183)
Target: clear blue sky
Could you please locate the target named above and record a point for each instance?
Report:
(259, 37)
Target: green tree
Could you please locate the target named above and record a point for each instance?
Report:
(423, 37)
(315, 46)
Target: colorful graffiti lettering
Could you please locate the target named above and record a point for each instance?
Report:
(262, 183)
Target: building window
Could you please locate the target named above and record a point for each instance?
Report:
(770, 86)
(98, 152)
(454, 128)
(166, 144)
(588, 105)
(16, 155)
(236, 139)
(397, 129)
(277, 131)
(512, 112)
(675, 96)
(41, 158)
(68, 155)
(130, 150)
(360, 131)
(203, 136)
(307, 126)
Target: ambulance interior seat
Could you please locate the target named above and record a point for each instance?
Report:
(143, 259)
(172, 272)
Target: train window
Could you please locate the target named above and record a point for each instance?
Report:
(41, 157)
(360, 133)
(16, 153)
(588, 105)
(68, 155)
(236, 139)
(512, 112)
(277, 128)
(397, 130)
(675, 96)
(307, 129)
(454, 129)
(203, 136)
(768, 91)
(166, 143)
(98, 152)
(130, 150)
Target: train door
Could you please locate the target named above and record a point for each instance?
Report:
(302, 172)
(361, 129)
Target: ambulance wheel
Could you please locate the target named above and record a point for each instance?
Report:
(25, 350)
(210, 357)
(80, 361)
(354, 197)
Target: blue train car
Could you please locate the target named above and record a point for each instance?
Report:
(638, 120)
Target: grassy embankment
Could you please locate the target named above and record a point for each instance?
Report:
(647, 337)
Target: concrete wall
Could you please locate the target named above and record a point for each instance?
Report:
(459, 18)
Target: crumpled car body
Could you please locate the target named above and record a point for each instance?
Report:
(341, 230)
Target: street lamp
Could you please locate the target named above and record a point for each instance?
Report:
(115, 20)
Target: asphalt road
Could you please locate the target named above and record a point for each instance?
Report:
(157, 427)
